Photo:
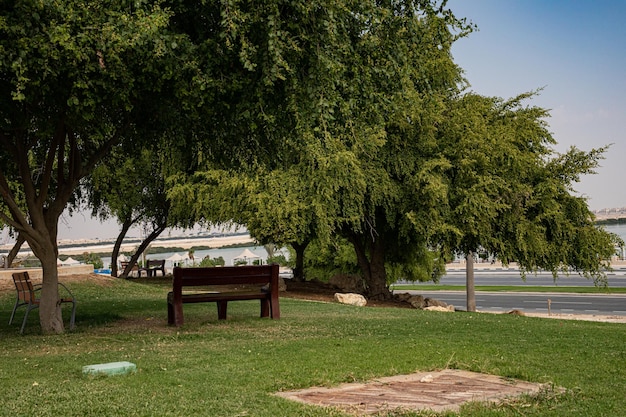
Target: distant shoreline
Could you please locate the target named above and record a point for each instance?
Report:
(77, 247)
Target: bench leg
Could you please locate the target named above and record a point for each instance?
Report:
(170, 313)
(73, 316)
(275, 306)
(175, 313)
(222, 306)
(30, 307)
(265, 308)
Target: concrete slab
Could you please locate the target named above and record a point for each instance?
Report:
(111, 368)
(444, 390)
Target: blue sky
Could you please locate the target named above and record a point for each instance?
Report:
(576, 51)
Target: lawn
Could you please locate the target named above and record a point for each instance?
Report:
(231, 368)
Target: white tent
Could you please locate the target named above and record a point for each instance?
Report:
(70, 261)
(175, 258)
(247, 255)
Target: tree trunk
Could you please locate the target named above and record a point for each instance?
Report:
(50, 316)
(469, 282)
(118, 244)
(298, 270)
(373, 268)
(142, 247)
(19, 241)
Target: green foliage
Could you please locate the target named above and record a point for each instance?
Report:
(326, 259)
(357, 125)
(129, 185)
(208, 261)
(279, 259)
(91, 258)
(511, 196)
(338, 128)
(301, 120)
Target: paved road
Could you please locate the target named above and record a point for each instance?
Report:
(611, 304)
(512, 277)
(603, 304)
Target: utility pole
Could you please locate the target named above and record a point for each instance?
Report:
(469, 281)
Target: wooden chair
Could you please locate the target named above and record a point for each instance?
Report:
(135, 268)
(153, 266)
(27, 296)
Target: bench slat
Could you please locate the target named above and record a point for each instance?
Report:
(222, 296)
(198, 281)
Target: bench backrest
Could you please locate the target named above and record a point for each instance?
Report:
(156, 262)
(125, 264)
(225, 275)
(24, 287)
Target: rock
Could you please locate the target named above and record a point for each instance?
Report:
(421, 303)
(348, 283)
(516, 313)
(449, 308)
(351, 299)
(431, 302)
(427, 378)
(282, 286)
(404, 296)
(417, 301)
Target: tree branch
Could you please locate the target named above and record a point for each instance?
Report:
(19, 241)
(57, 142)
(18, 220)
(103, 150)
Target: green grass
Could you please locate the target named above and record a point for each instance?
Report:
(231, 368)
(511, 288)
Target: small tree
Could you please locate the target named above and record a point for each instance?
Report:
(510, 196)
(208, 261)
(131, 187)
(92, 259)
(76, 79)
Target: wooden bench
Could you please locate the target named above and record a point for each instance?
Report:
(153, 265)
(250, 282)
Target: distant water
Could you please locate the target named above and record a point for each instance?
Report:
(618, 229)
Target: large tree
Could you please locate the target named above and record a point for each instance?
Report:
(406, 76)
(76, 79)
(372, 107)
(330, 81)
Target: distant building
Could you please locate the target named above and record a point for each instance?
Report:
(610, 214)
